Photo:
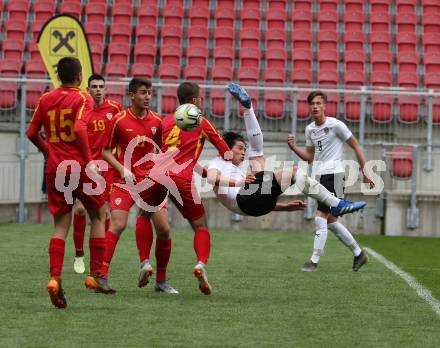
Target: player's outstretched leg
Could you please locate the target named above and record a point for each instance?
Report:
(56, 292)
(346, 207)
(240, 94)
(201, 274)
(145, 272)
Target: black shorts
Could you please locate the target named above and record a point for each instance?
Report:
(261, 196)
(335, 184)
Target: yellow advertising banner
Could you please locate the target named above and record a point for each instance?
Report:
(63, 36)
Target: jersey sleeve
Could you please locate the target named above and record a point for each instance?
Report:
(342, 131)
(85, 106)
(33, 131)
(211, 133)
(216, 163)
(113, 139)
(308, 138)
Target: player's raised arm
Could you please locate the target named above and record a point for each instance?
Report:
(211, 133)
(216, 178)
(33, 131)
(306, 154)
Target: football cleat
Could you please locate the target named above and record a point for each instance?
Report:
(78, 265)
(164, 286)
(99, 284)
(240, 94)
(145, 272)
(56, 292)
(201, 274)
(359, 261)
(309, 266)
(346, 207)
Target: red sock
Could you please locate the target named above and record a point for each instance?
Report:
(111, 239)
(202, 244)
(79, 229)
(56, 256)
(97, 247)
(162, 252)
(107, 224)
(144, 237)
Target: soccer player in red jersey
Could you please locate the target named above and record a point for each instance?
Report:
(63, 113)
(99, 125)
(137, 133)
(190, 145)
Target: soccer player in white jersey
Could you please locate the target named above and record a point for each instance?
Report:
(257, 193)
(325, 138)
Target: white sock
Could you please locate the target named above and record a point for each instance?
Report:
(254, 133)
(344, 235)
(310, 187)
(320, 238)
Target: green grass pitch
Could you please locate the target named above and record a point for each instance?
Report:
(260, 297)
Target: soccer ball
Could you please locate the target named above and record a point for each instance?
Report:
(188, 117)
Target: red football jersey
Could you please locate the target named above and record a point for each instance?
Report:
(126, 127)
(99, 126)
(190, 143)
(58, 111)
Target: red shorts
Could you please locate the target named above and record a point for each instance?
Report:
(109, 176)
(192, 207)
(57, 201)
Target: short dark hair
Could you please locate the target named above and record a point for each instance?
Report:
(314, 94)
(232, 137)
(95, 77)
(137, 83)
(68, 69)
(187, 91)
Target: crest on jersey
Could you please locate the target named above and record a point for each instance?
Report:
(153, 130)
(118, 200)
(326, 130)
(109, 116)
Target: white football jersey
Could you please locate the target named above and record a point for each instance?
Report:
(328, 140)
(227, 195)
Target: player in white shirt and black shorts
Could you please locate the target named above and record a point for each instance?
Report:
(257, 193)
(325, 139)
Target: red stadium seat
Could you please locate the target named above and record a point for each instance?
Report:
(122, 13)
(431, 43)
(408, 79)
(18, 10)
(13, 49)
(328, 40)
(328, 60)
(147, 15)
(195, 73)
(381, 79)
(302, 5)
(302, 39)
(430, 6)
(407, 62)
(406, 22)
(35, 68)
(380, 21)
(330, 78)
(95, 31)
(10, 67)
(354, 21)
(224, 57)
(222, 73)
(225, 4)
(251, 4)
(199, 16)
(276, 76)
(276, 19)
(381, 104)
(328, 5)
(380, 41)
(302, 59)
(302, 20)
(142, 70)
(431, 23)
(224, 37)
(96, 12)
(116, 70)
(34, 51)
(379, 5)
(302, 77)
(249, 75)
(145, 54)
(401, 159)
(354, 61)
(72, 8)
(171, 35)
(197, 56)
(97, 50)
(169, 101)
(406, 42)
(172, 15)
(36, 28)
(169, 72)
(405, 6)
(381, 61)
(146, 34)
(408, 109)
(249, 38)
(115, 93)
(8, 93)
(33, 93)
(327, 20)
(432, 63)
(15, 29)
(276, 58)
(352, 107)
(277, 4)
(119, 52)
(274, 104)
(250, 57)
(276, 38)
(250, 18)
(432, 81)
(120, 32)
(354, 40)
(354, 5)
(170, 55)
(198, 36)
(44, 10)
(224, 17)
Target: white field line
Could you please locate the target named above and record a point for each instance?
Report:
(423, 292)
